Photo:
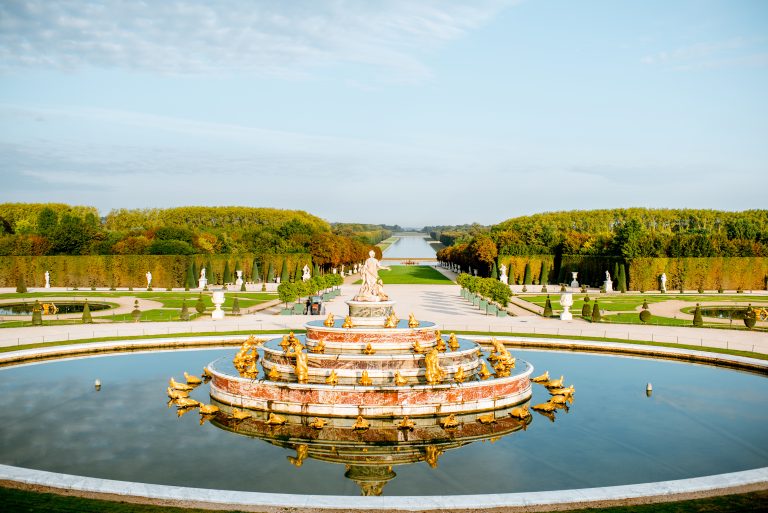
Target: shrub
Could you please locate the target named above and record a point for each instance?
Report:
(697, 319)
(527, 275)
(255, 276)
(645, 304)
(285, 276)
(200, 304)
(170, 247)
(750, 317)
(236, 306)
(548, 308)
(525, 289)
(21, 287)
(184, 315)
(87, 313)
(287, 292)
(543, 288)
(595, 312)
(586, 310)
(622, 278)
(242, 287)
(37, 314)
(227, 277)
(136, 313)
(645, 316)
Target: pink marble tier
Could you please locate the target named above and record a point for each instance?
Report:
(402, 337)
(372, 401)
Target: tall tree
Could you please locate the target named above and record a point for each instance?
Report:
(527, 280)
(255, 277)
(285, 276)
(227, 277)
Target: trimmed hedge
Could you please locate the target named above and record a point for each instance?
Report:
(121, 270)
(715, 273)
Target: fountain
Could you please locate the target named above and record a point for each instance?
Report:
(373, 365)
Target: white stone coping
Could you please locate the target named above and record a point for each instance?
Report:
(635, 493)
(580, 497)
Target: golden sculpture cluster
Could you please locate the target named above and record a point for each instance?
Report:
(391, 320)
(505, 362)
(560, 395)
(246, 358)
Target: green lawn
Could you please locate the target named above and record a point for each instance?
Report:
(34, 502)
(412, 275)
(626, 302)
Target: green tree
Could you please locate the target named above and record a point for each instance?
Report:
(227, 277)
(595, 312)
(87, 313)
(285, 276)
(47, 220)
(255, 276)
(527, 280)
(286, 292)
(271, 273)
(697, 319)
(184, 315)
(548, 308)
(189, 283)
(71, 236)
(494, 272)
(544, 275)
(37, 314)
(21, 287)
(622, 278)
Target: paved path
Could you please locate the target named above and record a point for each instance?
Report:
(438, 303)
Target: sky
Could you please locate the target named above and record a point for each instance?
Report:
(401, 112)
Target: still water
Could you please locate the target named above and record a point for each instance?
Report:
(410, 246)
(699, 421)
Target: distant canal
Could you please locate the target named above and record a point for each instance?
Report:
(410, 246)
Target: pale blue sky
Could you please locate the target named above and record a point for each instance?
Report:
(408, 112)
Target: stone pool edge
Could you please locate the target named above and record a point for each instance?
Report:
(654, 492)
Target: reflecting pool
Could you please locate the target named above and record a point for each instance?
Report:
(410, 246)
(700, 420)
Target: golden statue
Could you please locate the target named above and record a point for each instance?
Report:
(318, 423)
(369, 349)
(251, 372)
(484, 372)
(434, 374)
(239, 414)
(520, 412)
(319, 347)
(365, 380)
(431, 454)
(459, 376)
(332, 378)
(440, 344)
(562, 391)
(301, 455)
(559, 399)
(449, 422)
(179, 386)
(348, 322)
(555, 383)
(207, 373)
(547, 407)
(186, 402)
(208, 409)
(329, 321)
(453, 342)
(501, 354)
(412, 322)
(300, 367)
(488, 418)
(406, 423)
(501, 370)
(438, 335)
(400, 380)
(275, 420)
(274, 374)
(391, 321)
(285, 343)
(543, 378)
(417, 347)
(361, 423)
(177, 394)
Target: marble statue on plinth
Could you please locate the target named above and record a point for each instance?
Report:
(663, 280)
(372, 288)
(608, 284)
(503, 278)
(305, 273)
(47, 280)
(203, 281)
(149, 279)
(239, 280)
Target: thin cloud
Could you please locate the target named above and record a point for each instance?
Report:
(200, 37)
(735, 52)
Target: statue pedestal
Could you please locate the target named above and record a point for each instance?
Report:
(202, 283)
(218, 300)
(369, 313)
(608, 284)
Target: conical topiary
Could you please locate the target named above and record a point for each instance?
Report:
(615, 276)
(209, 274)
(37, 314)
(645, 304)
(697, 319)
(595, 312)
(200, 304)
(285, 276)
(236, 306)
(21, 287)
(227, 276)
(586, 310)
(271, 273)
(750, 317)
(242, 287)
(255, 276)
(527, 274)
(87, 313)
(494, 272)
(189, 283)
(622, 278)
(544, 275)
(195, 275)
(184, 315)
(548, 308)
(136, 313)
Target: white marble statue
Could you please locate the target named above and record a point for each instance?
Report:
(663, 280)
(608, 283)
(239, 280)
(149, 279)
(371, 289)
(354, 269)
(503, 278)
(203, 281)
(277, 280)
(334, 270)
(47, 280)
(305, 273)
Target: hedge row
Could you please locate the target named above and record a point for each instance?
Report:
(740, 273)
(516, 267)
(130, 270)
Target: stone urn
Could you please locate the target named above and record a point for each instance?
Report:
(218, 300)
(575, 282)
(566, 301)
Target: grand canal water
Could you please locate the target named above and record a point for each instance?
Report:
(410, 246)
(699, 421)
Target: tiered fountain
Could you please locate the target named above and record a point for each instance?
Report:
(374, 366)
